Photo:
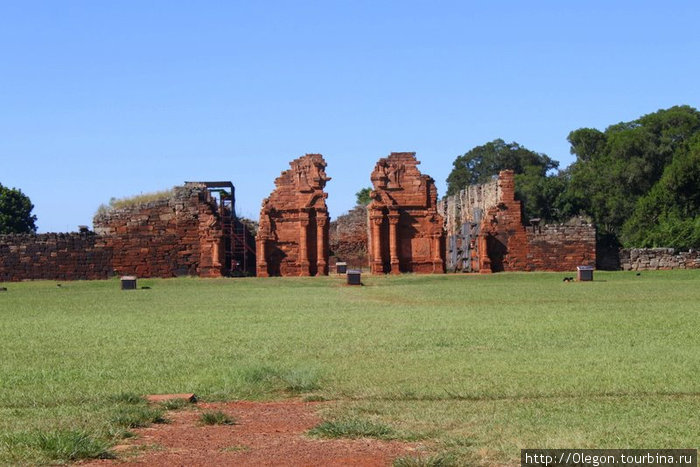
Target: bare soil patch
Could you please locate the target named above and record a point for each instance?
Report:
(264, 434)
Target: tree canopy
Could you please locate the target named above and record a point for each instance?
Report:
(616, 172)
(15, 212)
(669, 214)
(483, 162)
(363, 196)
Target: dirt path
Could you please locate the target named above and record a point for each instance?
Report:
(265, 434)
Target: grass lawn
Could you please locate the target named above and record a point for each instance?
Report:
(477, 367)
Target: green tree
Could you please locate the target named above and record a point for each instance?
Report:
(615, 168)
(15, 212)
(483, 162)
(669, 214)
(363, 196)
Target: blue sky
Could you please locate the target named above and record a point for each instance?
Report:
(106, 99)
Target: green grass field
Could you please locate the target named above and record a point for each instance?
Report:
(475, 367)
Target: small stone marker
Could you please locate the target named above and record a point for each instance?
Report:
(354, 277)
(584, 273)
(341, 268)
(128, 282)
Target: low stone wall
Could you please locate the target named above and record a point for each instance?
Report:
(636, 259)
(177, 235)
(562, 247)
(57, 256)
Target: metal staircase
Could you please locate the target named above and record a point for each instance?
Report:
(239, 255)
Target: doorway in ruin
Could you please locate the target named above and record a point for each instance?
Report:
(496, 251)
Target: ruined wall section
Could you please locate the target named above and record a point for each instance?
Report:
(469, 204)
(484, 225)
(57, 256)
(503, 238)
(293, 232)
(348, 237)
(638, 259)
(406, 230)
(171, 237)
(561, 247)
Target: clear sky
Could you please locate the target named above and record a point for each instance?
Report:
(102, 99)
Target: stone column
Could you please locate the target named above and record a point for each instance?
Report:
(484, 260)
(393, 241)
(260, 258)
(303, 244)
(377, 265)
(437, 257)
(215, 258)
(321, 242)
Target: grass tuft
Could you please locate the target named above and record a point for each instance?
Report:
(174, 404)
(353, 428)
(138, 416)
(268, 379)
(216, 418)
(430, 461)
(119, 203)
(300, 380)
(65, 445)
(128, 398)
(315, 398)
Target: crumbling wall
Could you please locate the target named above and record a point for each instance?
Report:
(469, 204)
(485, 231)
(348, 237)
(406, 231)
(503, 238)
(179, 235)
(292, 238)
(561, 247)
(636, 259)
(58, 256)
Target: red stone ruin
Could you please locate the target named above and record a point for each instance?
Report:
(294, 223)
(192, 230)
(406, 232)
(503, 240)
(486, 233)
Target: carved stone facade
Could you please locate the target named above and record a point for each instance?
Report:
(292, 236)
(406, 233)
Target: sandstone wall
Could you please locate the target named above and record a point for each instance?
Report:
(58, 256)
(561, 247)
(486, 233)
(176, 236)
(503, 240)
(636, 259)
(348, 238)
